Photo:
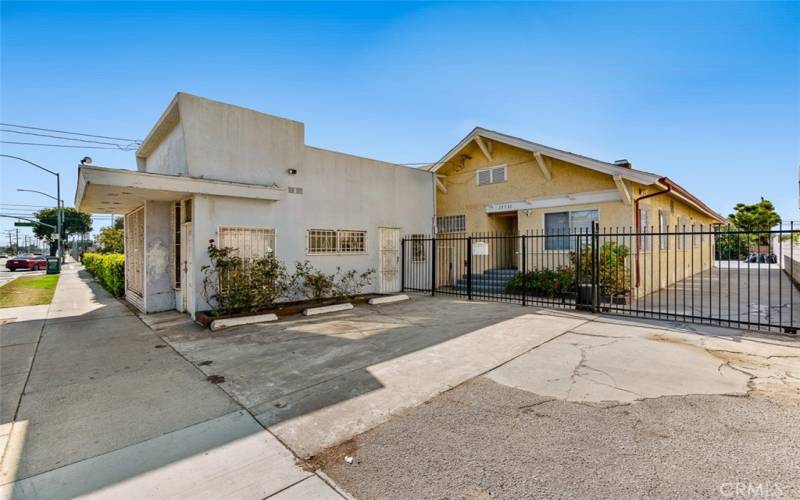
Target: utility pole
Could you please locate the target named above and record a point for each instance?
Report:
(17, 239)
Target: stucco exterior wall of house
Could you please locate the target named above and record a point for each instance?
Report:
(339, 191)
(659, 265)
(169, 157)
(231, 143)
(669, 258)
(524, 180)
(158, 292)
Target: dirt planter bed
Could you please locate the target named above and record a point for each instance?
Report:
(284, 309)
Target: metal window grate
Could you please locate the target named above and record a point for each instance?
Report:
(451, 223)
(248, 242)
(134, 251)
(418, 242)
(333, 242)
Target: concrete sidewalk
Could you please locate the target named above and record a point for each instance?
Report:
(95, 404)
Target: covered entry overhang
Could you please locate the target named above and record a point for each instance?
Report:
(110, 190)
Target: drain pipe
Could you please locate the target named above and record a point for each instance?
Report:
(638, 220)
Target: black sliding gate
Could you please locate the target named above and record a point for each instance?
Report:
(709, 275)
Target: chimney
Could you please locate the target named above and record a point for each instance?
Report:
(623, 163)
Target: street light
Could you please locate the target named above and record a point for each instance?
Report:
(60, 214)
(60, 217)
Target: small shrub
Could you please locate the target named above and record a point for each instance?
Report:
(310, 282)
(108, 269)
(349, 284)
(316, 285)
(544, 282)
(615, 273)
(236, 285)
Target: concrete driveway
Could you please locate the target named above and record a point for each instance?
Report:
(316, 382)
(412, 390)
(754, 294)
(606, 409)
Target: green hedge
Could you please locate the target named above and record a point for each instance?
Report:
(108, 269)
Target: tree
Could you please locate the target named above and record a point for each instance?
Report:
(111, 240)
(75, 222)
(119, 223)
(757, 218)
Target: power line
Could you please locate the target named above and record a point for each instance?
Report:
(62, 145)
(121, 146)
(68, 132)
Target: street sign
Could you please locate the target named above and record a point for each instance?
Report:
(24, 224)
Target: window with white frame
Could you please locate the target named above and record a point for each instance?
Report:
(697, 239)
(561, 228)
(418, 253)
(247, 242)
(663, 228)
(491, 175)
(645, 241)
(334, 242)
(451, 223)
(681, 234)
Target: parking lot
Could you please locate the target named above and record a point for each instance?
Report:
(444, 397)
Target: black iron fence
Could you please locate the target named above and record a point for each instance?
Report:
(698, 274)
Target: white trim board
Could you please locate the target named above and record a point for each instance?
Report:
(555, 201)
(639, 176)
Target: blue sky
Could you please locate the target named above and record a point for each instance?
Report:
(706, 93)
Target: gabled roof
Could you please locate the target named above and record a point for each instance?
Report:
(639, 176)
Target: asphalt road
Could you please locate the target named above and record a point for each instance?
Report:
(6, 275)
(486, 440)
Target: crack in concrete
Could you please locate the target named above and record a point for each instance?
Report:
(584, 365)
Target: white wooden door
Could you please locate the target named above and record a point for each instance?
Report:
(389, 260)
(187, 283)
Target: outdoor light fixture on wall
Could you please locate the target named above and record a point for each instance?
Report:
(292, 171)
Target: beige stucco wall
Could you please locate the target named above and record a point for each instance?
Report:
(524, 180)
(657, 266)
(675, 260)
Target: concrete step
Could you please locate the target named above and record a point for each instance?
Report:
(484, 281)
(481, 288)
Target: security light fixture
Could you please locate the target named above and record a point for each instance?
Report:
(292, 171)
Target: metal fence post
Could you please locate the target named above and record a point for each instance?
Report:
(469, 268)
(403, 264)
(595, 268)
(433, 266)
(578, 277)
(524, 270)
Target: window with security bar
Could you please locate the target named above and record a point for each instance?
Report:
(418, 248)
(247, 242)
(352, 241)
(451, 223)
(336, 242)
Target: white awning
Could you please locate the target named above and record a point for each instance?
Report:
(110, 190)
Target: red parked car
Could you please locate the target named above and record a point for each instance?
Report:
(30, 261)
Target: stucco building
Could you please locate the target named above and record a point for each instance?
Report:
(496, 183)
(213, 171)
